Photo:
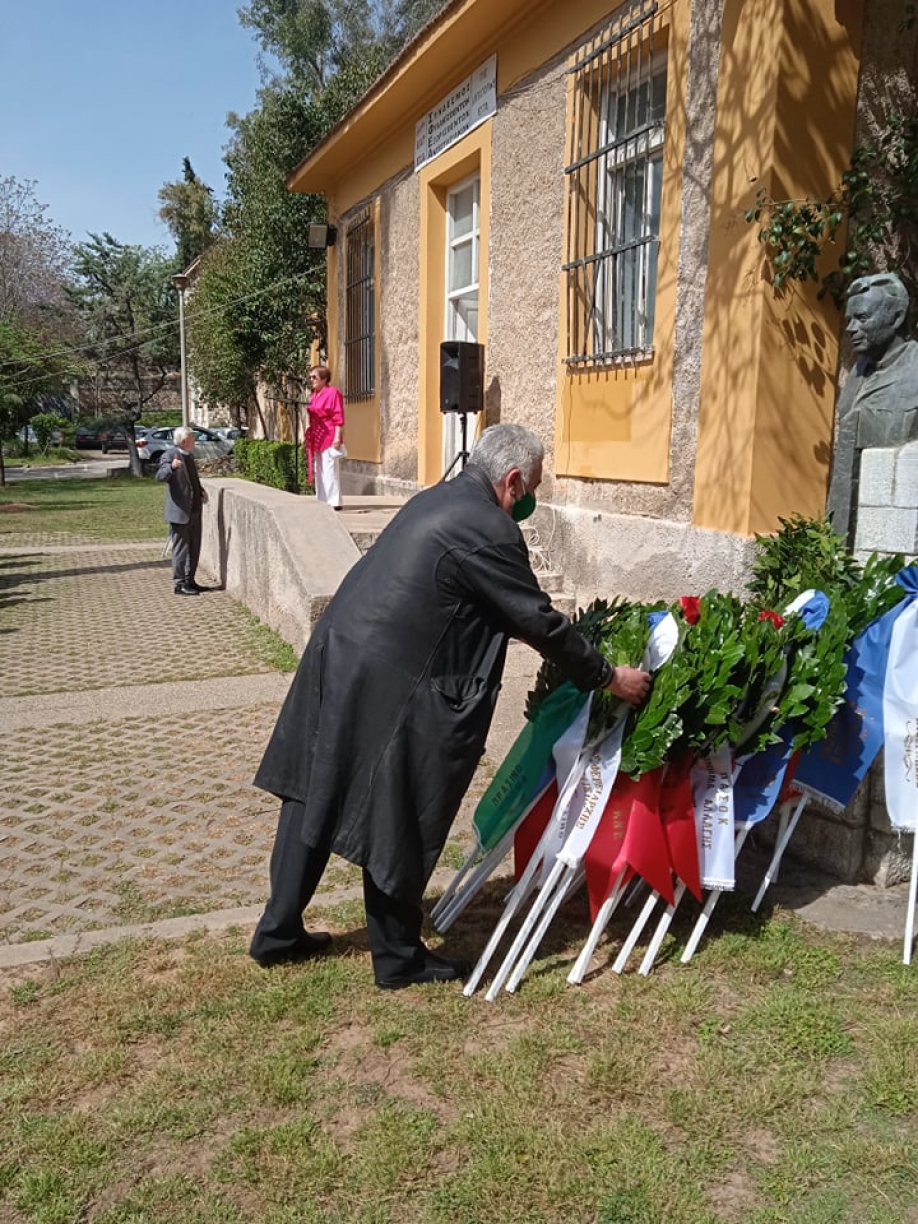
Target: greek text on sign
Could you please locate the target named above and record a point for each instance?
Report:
(465, 108)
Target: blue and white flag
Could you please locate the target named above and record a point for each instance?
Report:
(900, 715)
(761, 775)
(833, 769)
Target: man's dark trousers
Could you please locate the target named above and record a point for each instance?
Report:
(186, 549)
(393, 924)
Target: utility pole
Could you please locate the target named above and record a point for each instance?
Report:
(180, 280)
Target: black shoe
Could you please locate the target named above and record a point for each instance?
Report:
(196, 588)
(305, 949)
(435, 969)
(186, 590)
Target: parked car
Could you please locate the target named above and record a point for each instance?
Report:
(88, 436)
(28, 435)
(208, 444)
(114, 438)
(230, 433)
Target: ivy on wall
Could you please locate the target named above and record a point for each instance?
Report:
(877, 196)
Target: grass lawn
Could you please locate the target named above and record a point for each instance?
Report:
(771, 1081)
(120, 508)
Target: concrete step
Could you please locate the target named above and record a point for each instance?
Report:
(365, 517)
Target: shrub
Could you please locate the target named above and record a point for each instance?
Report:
(273, 463)
(46, 424)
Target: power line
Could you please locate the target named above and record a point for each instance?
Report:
(145, 337)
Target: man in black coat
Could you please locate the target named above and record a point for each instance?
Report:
(185, 499)
(387, 716)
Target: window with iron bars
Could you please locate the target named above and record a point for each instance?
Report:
(614, 184)
(360, 308)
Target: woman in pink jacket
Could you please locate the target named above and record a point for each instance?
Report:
(324, 436)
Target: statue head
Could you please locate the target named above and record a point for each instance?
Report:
(876, 313)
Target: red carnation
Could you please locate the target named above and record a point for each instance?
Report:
(691, 608)
(775, 619)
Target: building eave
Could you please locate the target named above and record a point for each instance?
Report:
(443, 53)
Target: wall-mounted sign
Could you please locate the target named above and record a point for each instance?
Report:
(468, 105)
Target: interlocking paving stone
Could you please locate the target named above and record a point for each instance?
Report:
(132, 723)
(93, 617)
(129, 820)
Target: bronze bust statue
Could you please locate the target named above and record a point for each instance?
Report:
(878, 405)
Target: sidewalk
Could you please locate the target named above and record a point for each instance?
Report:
(132, 723)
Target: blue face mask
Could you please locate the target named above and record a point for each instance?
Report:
(523, 506)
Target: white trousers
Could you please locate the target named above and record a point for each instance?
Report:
(328, 485)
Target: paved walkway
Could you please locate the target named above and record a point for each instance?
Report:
(132, 723)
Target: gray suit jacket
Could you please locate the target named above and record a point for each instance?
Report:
(184, 496)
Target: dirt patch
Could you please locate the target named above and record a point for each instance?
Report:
(15, 507)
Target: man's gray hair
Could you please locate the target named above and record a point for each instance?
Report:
(502, 447)
(179, 435)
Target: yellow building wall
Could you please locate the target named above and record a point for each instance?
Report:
(769, 362)
(361, 417)
(531, 35)
(614, 423)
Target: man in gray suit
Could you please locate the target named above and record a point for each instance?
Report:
(185, 499)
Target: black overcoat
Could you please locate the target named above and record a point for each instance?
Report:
(387, 715)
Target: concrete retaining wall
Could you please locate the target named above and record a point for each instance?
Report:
(281, 555)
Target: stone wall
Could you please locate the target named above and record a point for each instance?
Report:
(859, 843)
(281, 555)
(887, 502)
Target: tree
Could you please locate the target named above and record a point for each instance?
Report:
(311, 40)
(259, 299)
(189, 211)
(34, 258)
(27, 371)
(314, 40)
(125, 297)
(282, 278)
(224, 349)
(878, 197)
(36, 324)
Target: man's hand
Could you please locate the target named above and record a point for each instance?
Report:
(630, 684)
(204, 497)
(177, 462)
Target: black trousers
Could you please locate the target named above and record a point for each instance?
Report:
(393, 924)
(186, 549)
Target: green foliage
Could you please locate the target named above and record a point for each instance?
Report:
(804, 553)
(807, 553)
(224, 346)
(45, 424)
(259, 300)
(281, 465)
(877, 197)
(593, 622)
(741, 674)
(795, 234)
(125, 297)
(26, 371)
(188, 209)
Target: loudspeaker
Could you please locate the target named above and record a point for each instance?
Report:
(461, 376)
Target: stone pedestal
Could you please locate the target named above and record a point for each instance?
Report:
(859, 844)
(887, 509)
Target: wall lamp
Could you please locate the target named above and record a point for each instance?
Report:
(321, 235)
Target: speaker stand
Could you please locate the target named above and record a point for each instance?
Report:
(463, 453)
